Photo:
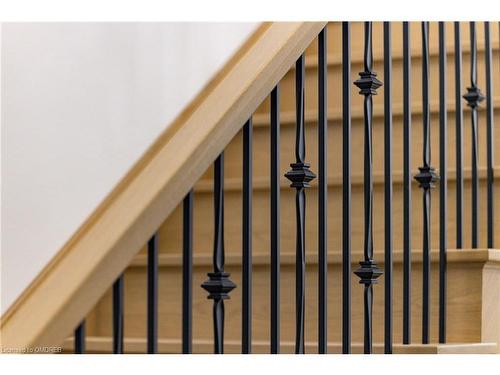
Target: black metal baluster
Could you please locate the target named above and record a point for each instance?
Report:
(368, 272)
(427, 177)
(80, 338)
(459, 135)
(275, 220)
(388, 189)
(218, 285)
(406, 185)
(346, 188)
(153, 295)
(187, 273)
(323, 192)
(246, 303)
(118, 316)
(473, 98)
(443, 186)
(489, 134)
(300, 176)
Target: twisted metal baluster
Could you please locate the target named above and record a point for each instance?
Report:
(152, 311)
(489, 134)
(459, 183)
(322, 193)
(246, 302)
(388, 189)
(368, 272)
(300, 176)
(275, 220)
(406, 185)
(427, 177)
(118, 315)
(473, 98)
(346, 188)
(187, 273)
(80, 338)
(218, 285)
(443, 187)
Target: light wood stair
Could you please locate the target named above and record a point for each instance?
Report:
(102, 345)
(465, 267)
(465, 286)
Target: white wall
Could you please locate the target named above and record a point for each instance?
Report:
(80, 103)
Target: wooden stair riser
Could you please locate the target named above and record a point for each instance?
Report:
(287, 85)
(464, 303)
(357, 39)
(357, 65)
(170, 233)
(261, 147)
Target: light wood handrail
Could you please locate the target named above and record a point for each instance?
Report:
(69, 286)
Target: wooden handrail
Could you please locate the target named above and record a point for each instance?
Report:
(86, 266)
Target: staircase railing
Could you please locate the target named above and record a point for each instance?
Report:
(211, 145)
(72, 283)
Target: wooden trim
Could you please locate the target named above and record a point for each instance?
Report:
(476, 348)
(334, 257)
(138, 345)
(68, 287)
(490, 303)
(494, 256)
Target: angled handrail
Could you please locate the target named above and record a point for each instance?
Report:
(106, 243)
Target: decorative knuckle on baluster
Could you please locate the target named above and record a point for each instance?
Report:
(427, 177)
(218, 285)
(368, 83)
(300, 175)
(368, 272)
(474, 96)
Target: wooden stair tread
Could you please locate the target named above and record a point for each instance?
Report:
(97, 344)
(334, 257)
